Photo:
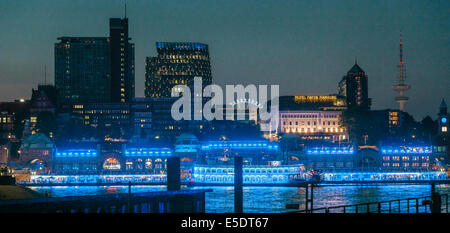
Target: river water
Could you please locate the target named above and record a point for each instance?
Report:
(271, 199)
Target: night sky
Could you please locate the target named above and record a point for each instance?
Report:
(304, 46)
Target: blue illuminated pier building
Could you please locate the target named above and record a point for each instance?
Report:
(211, 163)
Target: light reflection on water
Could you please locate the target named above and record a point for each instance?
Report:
(271, 199)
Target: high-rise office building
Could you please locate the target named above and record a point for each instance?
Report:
(95, 69)
(176, 63)
(354, 86)
(82, 71)
(122, 61)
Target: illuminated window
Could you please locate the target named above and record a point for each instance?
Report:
(444, 129)
(129, 165)
(33, 119)
(111, 164)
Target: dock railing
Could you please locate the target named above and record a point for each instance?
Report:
(407, 205)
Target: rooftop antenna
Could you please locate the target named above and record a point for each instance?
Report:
(45, 74)
(125, 10)
(401, 86)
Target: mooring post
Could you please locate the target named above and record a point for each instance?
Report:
(306, 197)
(129, 197)
(435, 205)
(173, 173)
(238, 192)
(312, 197)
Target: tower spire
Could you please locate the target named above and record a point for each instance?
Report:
(125, 10)
(401, 87)
(401, 47)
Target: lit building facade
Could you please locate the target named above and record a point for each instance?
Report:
(10, 114)
(177, 63)
(36, 152)
(6, 124)
(141, 110)
(122, 61)
(132, 159)
(146, 159)
(312, 117)
(113, 118)
(82, 71)
(354, 86)
(77, 160)
(164, 127)
(313, 102)
(254, 152)
(95, 69)
(407, 157)
(311, 122)
(253, 175)
(330, 158)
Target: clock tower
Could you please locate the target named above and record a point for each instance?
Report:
(443, 146)
(443, 122)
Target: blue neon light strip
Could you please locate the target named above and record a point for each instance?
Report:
(78, 153)
(407, 150)
(330, 150)
(148, 152)
(215, 145)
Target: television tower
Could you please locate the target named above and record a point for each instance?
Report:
(401, 87)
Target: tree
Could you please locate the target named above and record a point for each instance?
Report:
(429, 127)
(358, 124)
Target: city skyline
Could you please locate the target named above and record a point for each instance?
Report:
(276, 44)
